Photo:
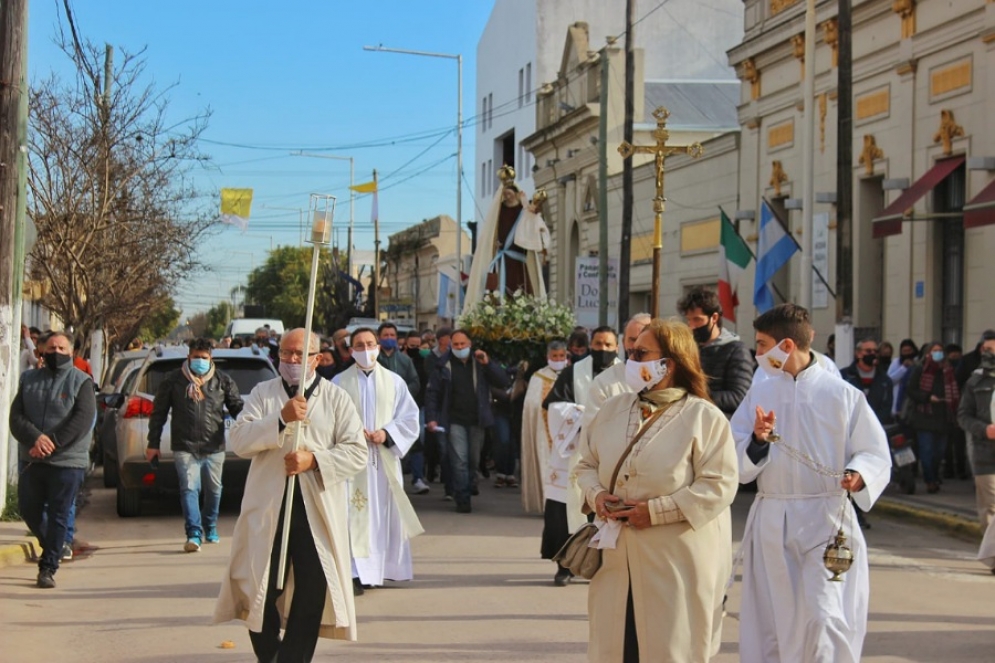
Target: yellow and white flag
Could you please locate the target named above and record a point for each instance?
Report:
(235, 207)
(369, 187)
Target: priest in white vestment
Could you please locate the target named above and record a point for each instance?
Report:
(830, 443)
(381, 518)
(535, 427)
(317, 599)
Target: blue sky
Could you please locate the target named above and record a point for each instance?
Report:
(294, 76)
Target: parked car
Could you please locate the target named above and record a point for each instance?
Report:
(109, 413)
(121, 364)
(136, 478)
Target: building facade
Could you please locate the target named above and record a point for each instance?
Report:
(567, 153)
(922, 156)
(521, 51)
(415, 261)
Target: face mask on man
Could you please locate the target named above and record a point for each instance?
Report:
(641, 375)
(366, 359)
(602, 359)
(703, 334)
(937, 356)
(558, 365)
(988, 361)
(388, 343)
(200, 366)
(424, 352)
(462, 353)
(291, 373)
(772, 361)
(868, 359)
(56, 360)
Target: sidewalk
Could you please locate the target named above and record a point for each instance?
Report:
(951, 509)
(16, 547)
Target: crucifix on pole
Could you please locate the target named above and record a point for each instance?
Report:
(661, 151)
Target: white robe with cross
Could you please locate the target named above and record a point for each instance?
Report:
(381, 518)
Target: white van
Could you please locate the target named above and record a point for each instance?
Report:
(246, 327)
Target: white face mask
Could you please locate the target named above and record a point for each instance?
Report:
(772, 361)
(366, 359)
(558, 365)
(641, 375)
(291, 373)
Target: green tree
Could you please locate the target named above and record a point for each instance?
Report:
(218, 317)
(157, 324)
(281, 283)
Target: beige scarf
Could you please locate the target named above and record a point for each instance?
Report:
(194, 389)
(651, 401)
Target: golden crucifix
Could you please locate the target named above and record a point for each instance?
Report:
(661, 151)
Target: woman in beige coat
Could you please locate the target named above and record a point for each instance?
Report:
(665, 528)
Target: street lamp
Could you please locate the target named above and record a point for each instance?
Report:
(459, 153)
(352, 195)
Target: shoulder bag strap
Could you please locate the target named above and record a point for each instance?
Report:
(635, 439)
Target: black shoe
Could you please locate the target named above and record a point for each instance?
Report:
(463, 507)
(562, 578)
(474, 491)
(46, 579)
(357, 587)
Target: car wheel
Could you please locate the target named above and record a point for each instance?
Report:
(129, 502)
(111, 477)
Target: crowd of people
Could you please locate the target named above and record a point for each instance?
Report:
(352, 414)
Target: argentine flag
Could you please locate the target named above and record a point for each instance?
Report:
(774, 249)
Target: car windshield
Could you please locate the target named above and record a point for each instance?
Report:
(247, 372)
(117, 370)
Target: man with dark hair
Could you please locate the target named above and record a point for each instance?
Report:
(340, 345)
(196, 394)
(724, 358)
(578, 345)
(396, 361)
(416, 457)
(865, 374)
(974, 414)
(970, 362)
(52, 420)
(437, 447)
(458, 404)
(830, 444)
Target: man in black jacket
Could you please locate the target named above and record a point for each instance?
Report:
(724, 358)
(197, 394)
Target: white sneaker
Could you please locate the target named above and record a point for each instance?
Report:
(420, 487)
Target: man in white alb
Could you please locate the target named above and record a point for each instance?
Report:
(381, 518)
(828, 443)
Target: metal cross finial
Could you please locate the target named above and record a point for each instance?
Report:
(661, 151)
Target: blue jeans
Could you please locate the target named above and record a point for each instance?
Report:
(504, 446)
(45, 495)
(931, 450)
(465, 443)
(193, 472)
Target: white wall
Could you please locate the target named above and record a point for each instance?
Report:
(681, 40)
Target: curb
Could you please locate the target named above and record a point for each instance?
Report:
(16, 553)
(954, 524)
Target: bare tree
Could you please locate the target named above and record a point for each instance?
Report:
(111, 195)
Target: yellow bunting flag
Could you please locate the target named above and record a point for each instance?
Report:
(235, 207)
(366, 187)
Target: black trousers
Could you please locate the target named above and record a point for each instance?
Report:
(310, 588)
(630, 650)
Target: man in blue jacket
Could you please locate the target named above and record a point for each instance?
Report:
(458, 402)
(52, 420)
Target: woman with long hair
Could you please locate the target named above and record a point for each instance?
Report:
(665, 526)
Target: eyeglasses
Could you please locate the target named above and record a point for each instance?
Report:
(292, 354)
(639, 354)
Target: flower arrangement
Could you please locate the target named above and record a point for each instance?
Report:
(518, 328)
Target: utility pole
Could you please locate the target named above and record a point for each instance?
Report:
(603, 191)
(13, 123)
(844, 181)
(625, 250)
(376, 254)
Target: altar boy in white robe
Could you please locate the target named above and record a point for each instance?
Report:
(381, 518)
(830, 443)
